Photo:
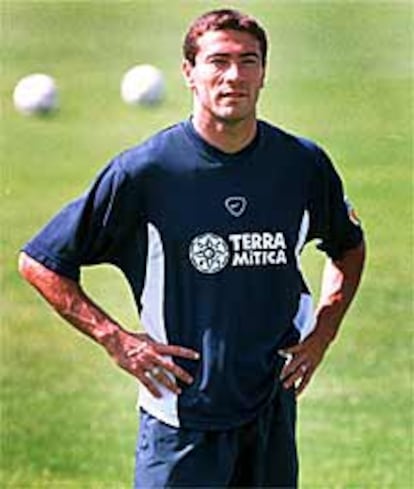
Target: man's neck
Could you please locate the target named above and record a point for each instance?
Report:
(228, 136)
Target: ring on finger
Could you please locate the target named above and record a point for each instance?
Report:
(155, 371)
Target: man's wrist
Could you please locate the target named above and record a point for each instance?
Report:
(325, 330)
(325, 338)
(107, 334)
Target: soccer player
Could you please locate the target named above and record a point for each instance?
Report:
(207, 220)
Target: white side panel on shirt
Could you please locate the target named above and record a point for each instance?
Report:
(304, 320)
(152, 318)
(303, 233)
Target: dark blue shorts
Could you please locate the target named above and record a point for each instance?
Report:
(261, 453)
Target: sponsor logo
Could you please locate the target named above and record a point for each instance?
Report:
(236, 205)
(210, 253)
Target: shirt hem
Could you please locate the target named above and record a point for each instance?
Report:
(184, 421)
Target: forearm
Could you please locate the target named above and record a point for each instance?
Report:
(69, 301)
(136, 353)
(340, 282)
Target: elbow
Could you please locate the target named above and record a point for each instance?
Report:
(38, 275)
(23, 265)
(26, 267)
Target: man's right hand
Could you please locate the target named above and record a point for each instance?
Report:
(150, 362)
(138, 354)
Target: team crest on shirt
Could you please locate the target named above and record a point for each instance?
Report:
(351, 213)
(236, 205)
(210, 253)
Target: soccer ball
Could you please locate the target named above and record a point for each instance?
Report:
(142, 84)
(35, 94)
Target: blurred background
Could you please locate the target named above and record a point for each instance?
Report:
(340, 72)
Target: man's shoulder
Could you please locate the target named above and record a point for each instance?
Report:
(295, 147)
(283, 137)
(153, 150)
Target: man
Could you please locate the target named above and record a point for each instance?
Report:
(207, 220)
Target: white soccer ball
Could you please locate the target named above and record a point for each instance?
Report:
(143, 84)
(35, 94)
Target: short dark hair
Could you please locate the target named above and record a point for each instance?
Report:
(220, 20)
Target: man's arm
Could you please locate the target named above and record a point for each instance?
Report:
(135, 353)
(340, 282)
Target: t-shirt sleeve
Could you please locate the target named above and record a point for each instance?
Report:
(332, 219)
(90, 230)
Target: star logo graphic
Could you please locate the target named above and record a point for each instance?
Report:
(209, 253)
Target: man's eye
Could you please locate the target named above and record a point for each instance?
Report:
(250, 61)
(218, 61)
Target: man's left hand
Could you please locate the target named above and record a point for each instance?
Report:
(303, 360)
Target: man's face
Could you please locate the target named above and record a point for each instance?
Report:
(227, 75)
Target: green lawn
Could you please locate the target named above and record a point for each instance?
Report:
(340, 72)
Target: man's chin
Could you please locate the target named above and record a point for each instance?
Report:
(233, 117)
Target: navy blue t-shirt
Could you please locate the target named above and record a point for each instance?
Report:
(210, 244)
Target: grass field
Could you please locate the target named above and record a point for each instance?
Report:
(340, 72)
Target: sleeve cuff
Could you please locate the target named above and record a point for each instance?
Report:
(54, 263)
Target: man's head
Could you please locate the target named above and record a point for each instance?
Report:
(220, 20)
(224, 65)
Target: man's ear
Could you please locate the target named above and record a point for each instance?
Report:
(187, 70)
(262, 84)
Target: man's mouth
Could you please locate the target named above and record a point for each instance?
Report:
(234, 94)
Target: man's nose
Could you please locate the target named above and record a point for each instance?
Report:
(233, 71)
